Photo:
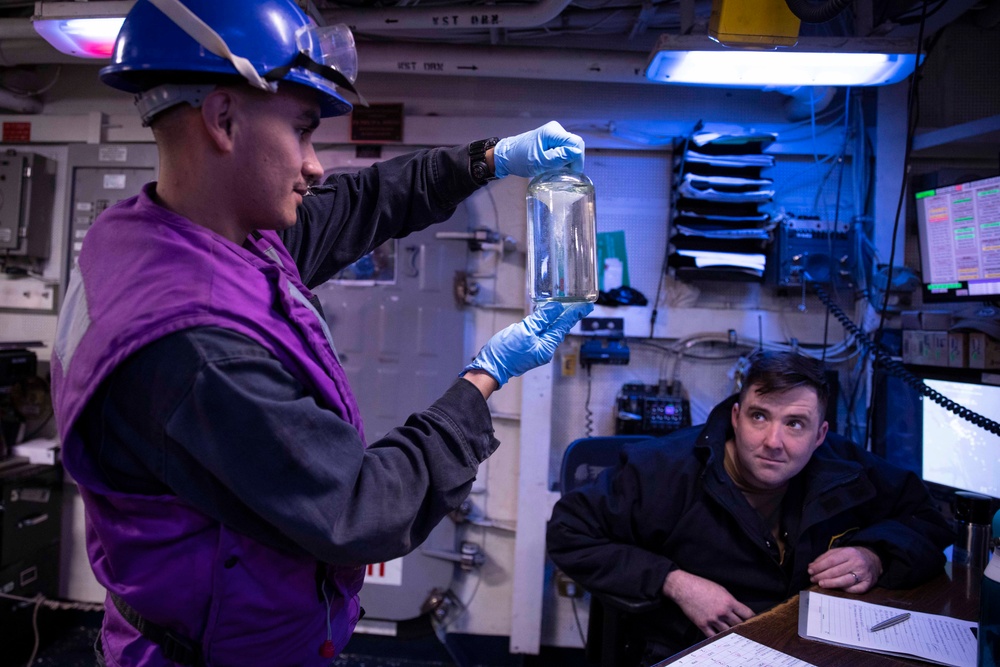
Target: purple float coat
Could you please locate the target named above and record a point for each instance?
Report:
(145, 272)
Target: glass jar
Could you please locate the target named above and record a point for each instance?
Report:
(562, 237)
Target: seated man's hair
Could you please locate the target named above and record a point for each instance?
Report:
(778, 372)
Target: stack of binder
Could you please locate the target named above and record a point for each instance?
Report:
(718, 231)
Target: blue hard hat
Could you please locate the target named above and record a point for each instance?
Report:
(277, 39)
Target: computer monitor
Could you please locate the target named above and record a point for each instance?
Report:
(955, 452)
(947, 451)
(959, 230)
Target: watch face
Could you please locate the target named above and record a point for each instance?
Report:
(479, 171)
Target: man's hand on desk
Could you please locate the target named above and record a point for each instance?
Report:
(853, 569)
(707, 604)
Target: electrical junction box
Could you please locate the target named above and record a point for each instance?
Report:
(812, 250)
(607, 341)
(604, 351)
(650, 410)
(101, 175)
(761, 23)
(27, 188)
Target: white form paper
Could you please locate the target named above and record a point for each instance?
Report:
(736, 651)
(939, 639)
(703, 258)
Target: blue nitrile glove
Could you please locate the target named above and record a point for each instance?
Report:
(529, 154)
(529, 343)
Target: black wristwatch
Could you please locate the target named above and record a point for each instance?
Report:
(481, 172)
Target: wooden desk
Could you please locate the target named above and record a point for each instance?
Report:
(955, 593)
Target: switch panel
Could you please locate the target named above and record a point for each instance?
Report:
(27, 186)
(100, 176)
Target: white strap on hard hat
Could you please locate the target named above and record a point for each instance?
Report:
(202, 33)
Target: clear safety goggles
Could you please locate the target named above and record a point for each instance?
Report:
(330, 45)
(327, 52)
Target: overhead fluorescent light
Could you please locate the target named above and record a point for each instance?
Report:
(696, 60)
(82, 29)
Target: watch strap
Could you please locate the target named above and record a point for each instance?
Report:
(480, 170)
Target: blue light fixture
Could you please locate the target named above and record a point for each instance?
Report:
(696, 60)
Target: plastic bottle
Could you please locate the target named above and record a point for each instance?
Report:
(562, 237)
(989, 606)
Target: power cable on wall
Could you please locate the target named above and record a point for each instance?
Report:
(579, 625)
(896, 368)
(588, 413)
(913, 115)
(666, 246)
(832, 268)
(40, 601)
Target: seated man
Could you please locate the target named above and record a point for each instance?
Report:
(723, 521)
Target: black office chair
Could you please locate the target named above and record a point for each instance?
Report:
(610, 643)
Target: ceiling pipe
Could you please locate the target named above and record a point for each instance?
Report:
(20, 44)
(448, 17)
(35, 51)
(612, 24)
(418, 59)
(805, 101)
(500, 62)
(810, 12)
(17, 29)
(21, 104)
(949, 12)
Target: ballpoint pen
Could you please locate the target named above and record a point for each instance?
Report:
(888, 623)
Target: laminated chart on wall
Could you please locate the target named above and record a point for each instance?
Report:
(718, 230)
(612, 260)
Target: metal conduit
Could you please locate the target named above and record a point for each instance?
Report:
(20, 45)
(520, 63)
(448, 17)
